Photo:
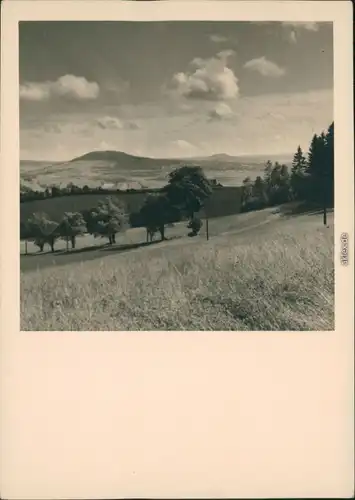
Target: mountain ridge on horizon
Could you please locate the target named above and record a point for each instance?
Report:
(127, 171)
(114, 155)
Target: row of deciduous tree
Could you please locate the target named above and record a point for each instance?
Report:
(105, 220)
(28, 194)
(183, 196)
(311, 178)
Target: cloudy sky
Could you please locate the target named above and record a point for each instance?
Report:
(174, 88)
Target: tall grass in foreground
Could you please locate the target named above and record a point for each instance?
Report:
(279, 278)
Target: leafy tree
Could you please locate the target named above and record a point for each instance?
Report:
(89, 218)
(277, 184)
(56, 191)
(107, 219)
(39, 242)
(259, 191)
(247, 192)
(43, 230)
(25, 233)
(188, 189)
(254, 194)
(284, 184)
(71, 226)
(269, 180)
(151, 231)
(156, 212)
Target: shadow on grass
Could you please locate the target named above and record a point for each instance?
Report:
(300, 208)
(63, 251)
(79, 255)
(128, 246)
(106, 247)
(131, 246)
(42, 254)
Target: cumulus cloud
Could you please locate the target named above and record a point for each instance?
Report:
(260, 117)
(183, 145)
(265, 67)
(302, 25)
(60, 125)
(209, 79)
(114, 123)
(67, 86)
(221, 112)
(109, 122)
(218, 38)
(34, 92)
(294, 29)
(198, 62)
(224, 54)
(131, 125)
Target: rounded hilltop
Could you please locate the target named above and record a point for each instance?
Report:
(109, 155)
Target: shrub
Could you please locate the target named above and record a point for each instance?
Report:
(195, 225)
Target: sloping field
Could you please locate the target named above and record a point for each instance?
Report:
(274, 273)
(223, 201)
(88, 247)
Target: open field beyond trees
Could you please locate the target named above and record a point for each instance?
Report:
(224, 201)
(262, 270)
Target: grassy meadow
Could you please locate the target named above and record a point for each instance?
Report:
(259, 271)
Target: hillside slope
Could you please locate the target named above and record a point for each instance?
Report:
(273, 276)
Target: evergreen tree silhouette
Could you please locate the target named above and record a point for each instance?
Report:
(320, 168)
(298, 174)
(329, 165)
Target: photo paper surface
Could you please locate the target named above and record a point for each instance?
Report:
(177, 293)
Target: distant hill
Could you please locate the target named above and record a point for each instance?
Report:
(126, 171)
(119, 157)
(253, 159)
(105, 155)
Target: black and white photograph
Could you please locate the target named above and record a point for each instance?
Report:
(176, 175)
(177, 249)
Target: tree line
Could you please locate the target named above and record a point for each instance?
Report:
(29, 194)
(311, 178)
(184, 195)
